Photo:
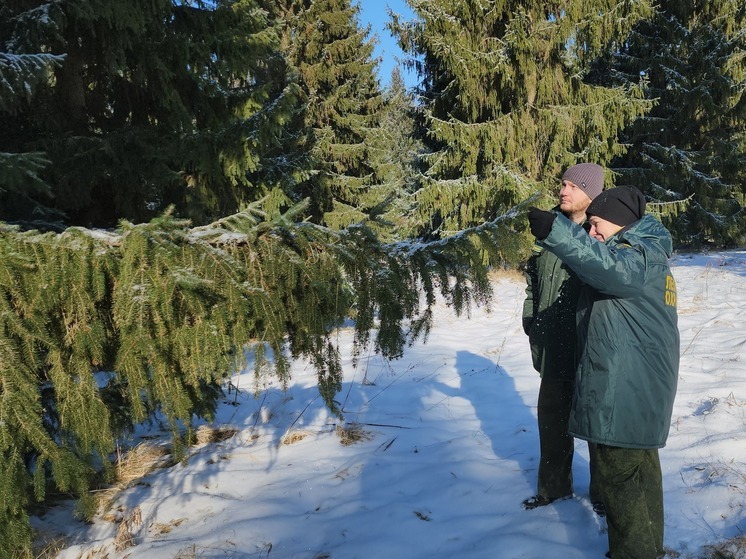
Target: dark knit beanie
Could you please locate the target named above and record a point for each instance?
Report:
(588, 176)
(622, 205)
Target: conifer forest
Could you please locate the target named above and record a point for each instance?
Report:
(190, 185)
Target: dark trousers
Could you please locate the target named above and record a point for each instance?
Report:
(557, 446)
(632, 490)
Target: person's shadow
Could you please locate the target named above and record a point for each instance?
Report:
(508, 421)
(505, 419)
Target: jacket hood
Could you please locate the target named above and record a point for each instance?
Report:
(649, 229)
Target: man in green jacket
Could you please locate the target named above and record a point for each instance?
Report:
(549, 321)
(628, 342)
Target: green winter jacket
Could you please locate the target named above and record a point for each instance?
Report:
(628, 339)
(549, 314)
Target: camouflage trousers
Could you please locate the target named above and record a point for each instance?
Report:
(632, 491)
(557, 446)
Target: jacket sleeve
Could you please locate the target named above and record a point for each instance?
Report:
(532, 299)
(617, 270)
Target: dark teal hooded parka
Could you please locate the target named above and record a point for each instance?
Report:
(628, 338)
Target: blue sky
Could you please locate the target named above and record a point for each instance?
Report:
(374, 12)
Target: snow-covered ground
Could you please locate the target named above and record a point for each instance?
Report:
(449, 450)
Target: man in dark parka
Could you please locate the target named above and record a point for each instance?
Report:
(628, 341)
(549, 321)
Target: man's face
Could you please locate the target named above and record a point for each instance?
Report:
(602, 229)
(572, 198)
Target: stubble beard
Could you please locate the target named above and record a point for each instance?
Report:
(575, 213)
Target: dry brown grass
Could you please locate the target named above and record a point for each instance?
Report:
(130, 467)
(292, 437)
(160, 528)
(139, 461)
(352, 433)
(125, 537)
(206, 434)
(512, 274)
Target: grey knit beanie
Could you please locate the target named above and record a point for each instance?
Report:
(588, 176)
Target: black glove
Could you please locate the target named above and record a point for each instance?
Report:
(540, 222)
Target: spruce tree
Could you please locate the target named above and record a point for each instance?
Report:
(21, 75)
(152, 103)
(690, 147)
(101, 330)
(396, 152)
(506, 102)
(333, 59)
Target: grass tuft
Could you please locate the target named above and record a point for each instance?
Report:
(352, 433)
(130, 467)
